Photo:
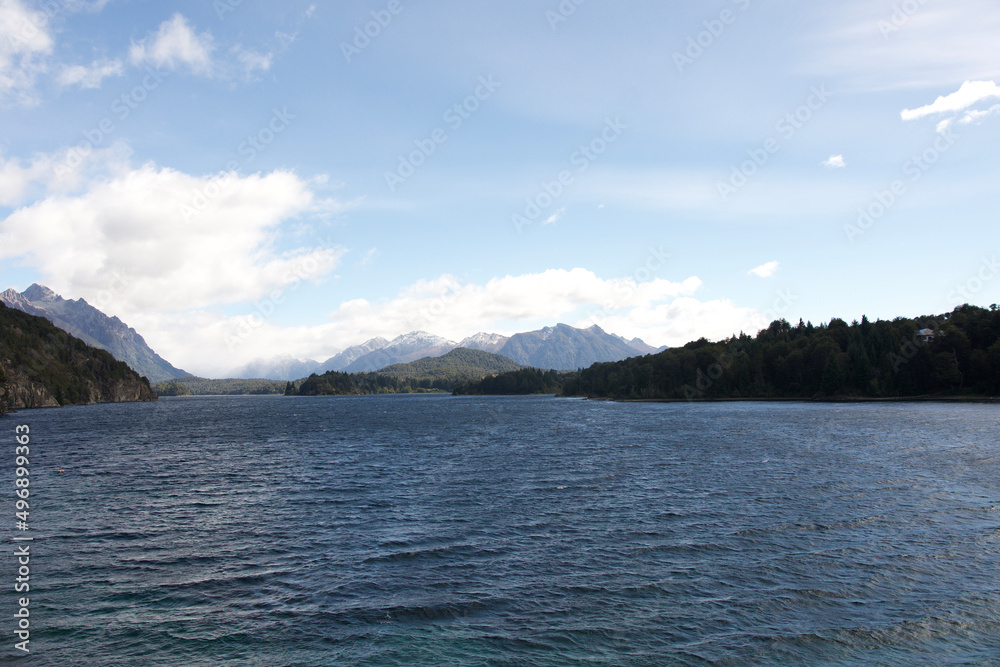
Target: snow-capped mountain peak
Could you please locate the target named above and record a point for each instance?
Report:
(486, 342)
(419, 339)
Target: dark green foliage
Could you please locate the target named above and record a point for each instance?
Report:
(871, 360)
(195, 386)
(352, 384)
(520, 382)
(171, 389)
(34, 351)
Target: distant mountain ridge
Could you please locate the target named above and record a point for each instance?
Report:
(561, 347)
(485, 342)
(93, 327)
(283, 367)
(402, 349)
(350, 355)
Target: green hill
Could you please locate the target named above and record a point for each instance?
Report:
(424, 375)
(459, 365)
(43, 366)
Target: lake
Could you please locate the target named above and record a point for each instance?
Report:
(432, 530)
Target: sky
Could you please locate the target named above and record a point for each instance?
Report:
(240, 179)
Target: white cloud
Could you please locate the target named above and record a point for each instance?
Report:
(944, 125)
(369, 257)
(939, 44)
(971, 93)
(452, 308)
(835, 162)
(765, 270)
(24, 41)
(16, 177)
(173, 45)
(44, 174)
(132, 224)
(660, 311)
(683, 320)
(208, 343)
(555, 217)
(92, 76)
(974, 115)
(252, 62)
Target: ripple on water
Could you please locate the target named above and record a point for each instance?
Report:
(514, 531)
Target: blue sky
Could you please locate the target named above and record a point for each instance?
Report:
(244, 179)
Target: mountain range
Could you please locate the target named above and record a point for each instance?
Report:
(561, 347)
(80, 319)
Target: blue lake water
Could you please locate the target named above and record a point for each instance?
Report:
(431, 530)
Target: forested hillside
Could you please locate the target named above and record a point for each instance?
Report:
(196, 386)
(516, 383)
(459, 365)
(353, 384)
(957, 354)
(43, 366)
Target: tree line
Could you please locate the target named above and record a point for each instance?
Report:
(958, 355)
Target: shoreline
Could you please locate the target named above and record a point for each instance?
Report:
(989, 400)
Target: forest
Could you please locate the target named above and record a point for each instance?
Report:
(519, 382)
(955, 354)
(35, 356)
(196, 386)
(335, 383)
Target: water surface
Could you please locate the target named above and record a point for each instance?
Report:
(428, 530)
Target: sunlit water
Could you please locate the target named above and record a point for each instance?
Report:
(510, 531)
